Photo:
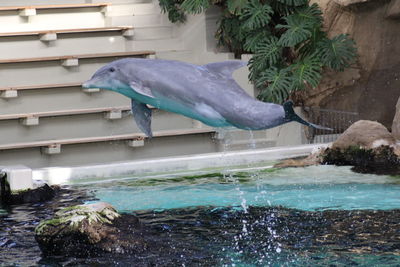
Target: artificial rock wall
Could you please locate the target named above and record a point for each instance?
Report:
(371, 86)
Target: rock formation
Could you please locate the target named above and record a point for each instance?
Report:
(396, 122)
(364, 134)
(367, 146)
(372, 85)
(39, 194)
(87, 230)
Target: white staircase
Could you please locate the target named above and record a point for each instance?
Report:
(49, 49)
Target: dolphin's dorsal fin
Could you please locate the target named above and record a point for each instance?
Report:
(142, 115)
(225, 68)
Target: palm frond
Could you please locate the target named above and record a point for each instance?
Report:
(276, 84)
(311, 45)
(312, 14)
(236, 6)
(337, 53)
(175, 14)
(293, 2)
(256, 15)
(255, 38)
(230, 34)
(267, 54)
(286, 38)
(195, 6)
(297, 30)
(281, 8)
(306, 71)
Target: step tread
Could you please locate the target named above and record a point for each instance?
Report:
(68, 112)
(97, 139)
(9, 8)
(61, 31)
(82, 56)
(41, 86)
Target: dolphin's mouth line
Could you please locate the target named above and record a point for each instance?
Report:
(87, 85)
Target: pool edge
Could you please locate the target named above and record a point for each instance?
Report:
(65, 175)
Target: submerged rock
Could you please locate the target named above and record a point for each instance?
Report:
(86, 230)
(313, 159)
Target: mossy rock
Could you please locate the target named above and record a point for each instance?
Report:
(78, 230)
(74, 217)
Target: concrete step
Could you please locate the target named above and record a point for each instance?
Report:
(248, 144)
(141, 20)
(194, 58)
(153, 33)
(146, 8)
(84, 126)
(76, 43)
(159, 45)
(109, 152)
(180, 55)
(101, 42)
(54, 99)
(49, 72)
(235, 139)
(130, 9)
(66, 18)
(116, 2)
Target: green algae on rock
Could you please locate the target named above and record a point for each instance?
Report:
(76, 216)
(81, 230)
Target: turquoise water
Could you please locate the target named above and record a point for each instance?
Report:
(314, 216)
(309, 189)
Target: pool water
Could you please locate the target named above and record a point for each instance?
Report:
(314, 216)
(310, 189)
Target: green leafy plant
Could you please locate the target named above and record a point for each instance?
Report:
(290, 49)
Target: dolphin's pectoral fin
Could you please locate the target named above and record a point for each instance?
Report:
(290, 115)
(226, 67)
(142, 115)
(141, 89)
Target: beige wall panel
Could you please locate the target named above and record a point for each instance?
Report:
(56, 99)
(106, 152)
(39, 2)
(66, 44)
(80, 126)
(48, 72)
(52, 19)
(170, 44)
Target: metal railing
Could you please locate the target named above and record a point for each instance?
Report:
(338, 120)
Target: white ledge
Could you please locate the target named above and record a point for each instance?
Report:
(68, 175)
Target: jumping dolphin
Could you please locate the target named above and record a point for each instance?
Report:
(206, 93)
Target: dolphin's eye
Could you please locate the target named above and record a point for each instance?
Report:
(112, 69)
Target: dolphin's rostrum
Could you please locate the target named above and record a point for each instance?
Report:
(206, 93)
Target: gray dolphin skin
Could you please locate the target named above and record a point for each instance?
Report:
(206, 93)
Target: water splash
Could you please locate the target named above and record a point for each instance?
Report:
(252, 143)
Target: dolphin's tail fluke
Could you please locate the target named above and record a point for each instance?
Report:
(290, 115)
